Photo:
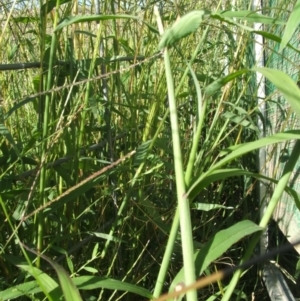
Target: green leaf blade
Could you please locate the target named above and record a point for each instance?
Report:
(247, 15)
(20, 290)
(48, 285)
(284, 84)
(80, 19)
(291, 26)
(237, 151)
(186, 25)
(68, 287)
(94, 282)
(222, 241)
(217, 245)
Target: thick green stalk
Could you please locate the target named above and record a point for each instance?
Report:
(44, 150)
(282, 183)
(175, 225)
(183, 202)
(188, 175)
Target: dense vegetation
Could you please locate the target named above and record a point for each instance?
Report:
(120, 132)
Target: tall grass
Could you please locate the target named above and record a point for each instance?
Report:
(128, 158)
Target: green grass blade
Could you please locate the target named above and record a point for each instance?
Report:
(47, 284)
(247, 15)
(291, 26)
(20, 290)
(278, 191)
(186, 25)
(70, 291)
(222, 241)
(94, 282)
(284, 84)
(274, 38)
(217, 245)
(222, 174)
(6, 133)
(242, 149)
(80, 19)
(68, 288)
(49, 5)
(208, 207)
(240, 120)
(220, 82)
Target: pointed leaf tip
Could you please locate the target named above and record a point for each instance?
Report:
(186, 25)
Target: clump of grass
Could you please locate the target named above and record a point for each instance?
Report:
(87, 171)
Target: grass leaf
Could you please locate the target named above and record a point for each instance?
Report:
(80, 19)
(241, 120)
(94, 282)
(291, 26)
(274, 38)
(186, 25)
(284, 84)
(247, 15)
(46, 283)
(208, 207)
(50, 4)
(20, 290)
(222, 241)
(70, 291)
(242, 149)
(217, 245)
(6, 133)
(222, 174)
(220, 82)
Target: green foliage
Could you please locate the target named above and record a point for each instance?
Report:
(291, 26)
(216, 246)
(80, 19)
(186, 25)
(101, 161)
(285, 85)
(246, 15)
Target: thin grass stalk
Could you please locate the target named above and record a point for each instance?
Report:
(46, 118)
(128, 195)
(234, 66)
(109, 104)
(196, 137)
(122, 207)
(130, 270)
(41, 99)
(7, 20)
(167, 256)
(84, 114)
(116, 65)
(133, 182)
(282, 183)
(88, 87)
